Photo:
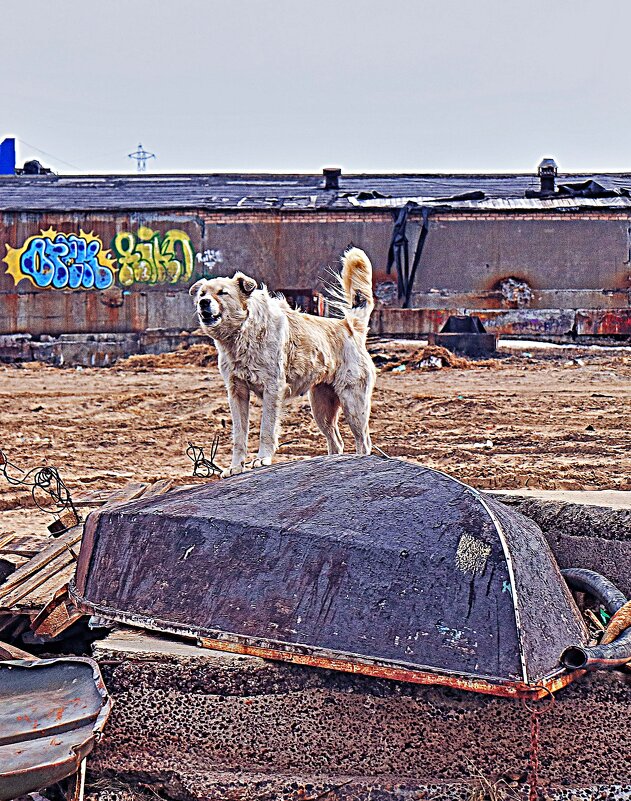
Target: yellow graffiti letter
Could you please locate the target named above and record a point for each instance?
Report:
(124, 245)
(182, 269)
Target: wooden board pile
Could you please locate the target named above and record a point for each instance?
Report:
(35, 571)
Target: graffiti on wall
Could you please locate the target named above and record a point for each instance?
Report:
(54, 260)
(209, 259)
(149, 257)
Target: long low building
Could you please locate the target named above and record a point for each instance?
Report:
(531, 254)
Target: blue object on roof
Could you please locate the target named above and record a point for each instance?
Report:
(7, 157)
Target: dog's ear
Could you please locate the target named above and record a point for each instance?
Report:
(195, 287)
(246, 284)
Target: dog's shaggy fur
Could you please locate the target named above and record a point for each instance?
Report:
(277, 352)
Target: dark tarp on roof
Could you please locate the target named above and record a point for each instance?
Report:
(588, 189)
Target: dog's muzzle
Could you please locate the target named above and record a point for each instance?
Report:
(209, 319)
(208, 311)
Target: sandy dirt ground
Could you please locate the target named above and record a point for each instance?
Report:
(552, 419)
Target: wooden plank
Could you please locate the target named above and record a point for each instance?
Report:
(128, 643)
(158, 488)
(5, 540)
(127, 492)
(17, 598)
(23, 544)
(12, 560)
(8, 651)
(42, 594)
(7, 620)
(58, 614)
(63, 544)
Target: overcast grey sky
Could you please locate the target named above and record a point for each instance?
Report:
(292, 85)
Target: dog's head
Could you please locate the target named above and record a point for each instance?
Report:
(222, 303)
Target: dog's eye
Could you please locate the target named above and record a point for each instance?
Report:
(222, 292)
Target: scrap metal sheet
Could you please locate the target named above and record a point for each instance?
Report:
(51, 714)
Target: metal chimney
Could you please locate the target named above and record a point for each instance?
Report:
(547, 172)
(332, 177)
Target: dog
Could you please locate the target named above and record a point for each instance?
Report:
(277, 352)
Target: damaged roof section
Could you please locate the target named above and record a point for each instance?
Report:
(231, 191)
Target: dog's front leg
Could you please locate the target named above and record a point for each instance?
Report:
(273, 397)
(239, 400)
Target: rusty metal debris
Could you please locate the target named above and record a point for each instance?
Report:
(352, 563)
(52, 713)
(465, 334)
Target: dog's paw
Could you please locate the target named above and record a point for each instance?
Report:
(234, 470)
(264, 461)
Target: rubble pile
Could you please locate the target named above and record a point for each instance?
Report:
(201, 355)
(399, 356)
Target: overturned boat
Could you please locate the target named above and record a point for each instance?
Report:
(361, 564)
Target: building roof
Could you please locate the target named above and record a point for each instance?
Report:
(233, 191)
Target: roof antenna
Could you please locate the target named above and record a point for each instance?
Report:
(141, 156)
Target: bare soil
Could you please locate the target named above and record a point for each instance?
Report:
(549, 419)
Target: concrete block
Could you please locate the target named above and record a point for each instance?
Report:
(206, 725)
(597, 537)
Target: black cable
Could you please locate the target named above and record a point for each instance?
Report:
(202, 466)
(40, 480)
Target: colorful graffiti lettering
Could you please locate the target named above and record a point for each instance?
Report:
(54, 260)
(152, 258)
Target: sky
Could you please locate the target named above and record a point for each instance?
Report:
(294, 85)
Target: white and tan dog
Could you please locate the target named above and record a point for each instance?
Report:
(277, 352)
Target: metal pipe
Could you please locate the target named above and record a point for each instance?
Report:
(605, 656)
(599, 657)
(601, 588)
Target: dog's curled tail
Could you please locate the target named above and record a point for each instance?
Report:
(356, 280)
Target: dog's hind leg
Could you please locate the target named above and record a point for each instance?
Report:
(325, 406)
(356, 405)
(239, 400)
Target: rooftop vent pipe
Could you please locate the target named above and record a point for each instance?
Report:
(547, 172)
(332, 177)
